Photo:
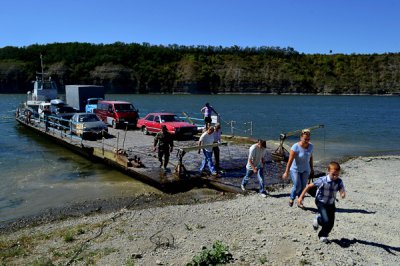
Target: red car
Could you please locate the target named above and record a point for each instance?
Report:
(152, 123)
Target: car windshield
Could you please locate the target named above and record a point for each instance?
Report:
(66, 109)
(170, 118)
(124, 107)
(93, 101)
(88, 118)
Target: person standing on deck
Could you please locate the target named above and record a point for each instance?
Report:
(165, 144)
(217, 139)
(207, 138)
(300, 166)
(207, 110)
(255, 165)
(46, 114)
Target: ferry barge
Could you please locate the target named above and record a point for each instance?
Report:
(130, 151)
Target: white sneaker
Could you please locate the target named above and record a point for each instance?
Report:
(324, 239)
(243, 188)
(263, 194)
(315, 222)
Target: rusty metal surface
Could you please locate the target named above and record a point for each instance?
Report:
(136, 157)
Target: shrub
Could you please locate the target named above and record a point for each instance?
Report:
(218, 254)
(69, 237)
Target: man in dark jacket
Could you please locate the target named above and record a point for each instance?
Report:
(165, 144)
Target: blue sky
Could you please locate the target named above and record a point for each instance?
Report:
(308, 26)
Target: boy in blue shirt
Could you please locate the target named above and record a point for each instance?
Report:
(325, 198)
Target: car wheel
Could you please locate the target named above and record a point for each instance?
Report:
(145, 131)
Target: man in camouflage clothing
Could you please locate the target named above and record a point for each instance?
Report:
(165, 143)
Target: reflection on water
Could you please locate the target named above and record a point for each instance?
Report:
(36, 174)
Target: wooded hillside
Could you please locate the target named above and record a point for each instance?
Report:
(145, 68)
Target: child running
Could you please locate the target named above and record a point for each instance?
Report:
(325, 198)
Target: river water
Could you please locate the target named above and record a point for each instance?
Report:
(36, 174)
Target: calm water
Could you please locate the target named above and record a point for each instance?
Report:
(35, 174)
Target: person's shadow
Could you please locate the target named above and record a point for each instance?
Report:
(346, 243)
(354, 211)
(342, 210)
(282, 195)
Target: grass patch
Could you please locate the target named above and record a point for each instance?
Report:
(13, 251)
(132, 237)
(217, 254)
(42, 262)
(120, 231)
(69, 237)
(80, 231)
(129, 262)
(91, 257)
(263, 259)
(188, 227)
(107, 251)
(304, 262)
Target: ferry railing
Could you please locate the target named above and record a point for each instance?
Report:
(57, 125)
(245, 128)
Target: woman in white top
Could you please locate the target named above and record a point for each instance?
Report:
(300, 165)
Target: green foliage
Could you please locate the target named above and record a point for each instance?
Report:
(304, 262)
(14, 251)
(69, 236)
(130, 262)
(43, 262)
(263, 259)
(188, 227)
(218, 254)
(145, 68)
(200, 226)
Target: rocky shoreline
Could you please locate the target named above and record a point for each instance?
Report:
(171, 230)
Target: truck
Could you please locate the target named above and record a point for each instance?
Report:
(92, 104)
(77, 95)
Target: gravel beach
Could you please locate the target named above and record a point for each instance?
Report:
(257, 230)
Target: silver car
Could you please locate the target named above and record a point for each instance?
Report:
(88, 125)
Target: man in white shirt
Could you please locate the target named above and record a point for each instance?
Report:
(206, 139)
(255, 165)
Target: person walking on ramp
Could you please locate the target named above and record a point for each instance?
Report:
(165, 145)
(255, 165)
(207, 138)
(300, 166)
(325, 198)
